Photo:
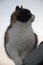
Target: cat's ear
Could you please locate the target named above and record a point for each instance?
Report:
(17, 8)
(21, 6)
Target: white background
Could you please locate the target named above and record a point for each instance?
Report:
(6, 8)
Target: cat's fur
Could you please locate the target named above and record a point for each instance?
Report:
(20, 39)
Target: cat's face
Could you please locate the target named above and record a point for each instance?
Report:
(24, 15)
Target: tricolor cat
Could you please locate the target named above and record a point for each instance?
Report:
(20, 39)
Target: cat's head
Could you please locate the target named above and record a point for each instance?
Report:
(22, 15)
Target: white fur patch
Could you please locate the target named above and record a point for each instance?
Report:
(21, 41)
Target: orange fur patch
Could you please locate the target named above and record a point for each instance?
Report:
(13, 17)
(6, 37)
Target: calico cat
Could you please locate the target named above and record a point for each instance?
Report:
(20, 38)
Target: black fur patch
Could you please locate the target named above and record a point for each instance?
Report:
(36, 41)
(24, 15)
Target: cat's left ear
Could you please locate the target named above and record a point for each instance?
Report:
(17, 9)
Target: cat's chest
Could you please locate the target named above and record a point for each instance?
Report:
(21, 37)
(21, 33)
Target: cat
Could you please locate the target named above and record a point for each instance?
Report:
(20, 38)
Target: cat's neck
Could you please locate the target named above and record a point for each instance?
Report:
(21, 24)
